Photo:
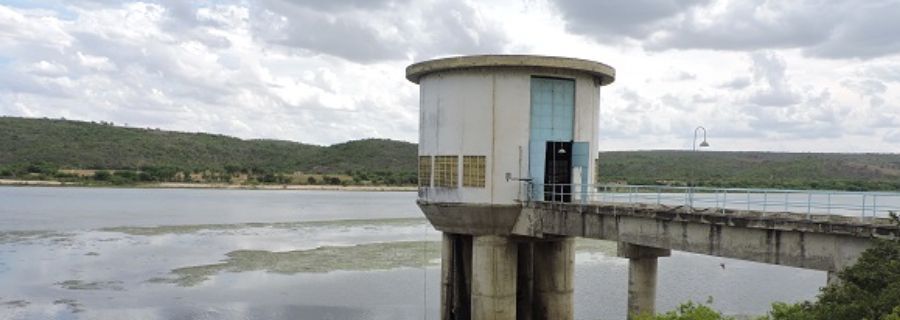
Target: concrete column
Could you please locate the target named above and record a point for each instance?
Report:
(446, 276)
(554, 270)
(525, 282)
(642, 265)
(494, 260)
(456, 271)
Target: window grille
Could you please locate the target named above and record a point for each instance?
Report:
(473, 171)
(445, 171)
(424, 171)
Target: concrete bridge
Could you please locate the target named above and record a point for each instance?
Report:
(492, 249)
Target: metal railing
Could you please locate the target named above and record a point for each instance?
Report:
(844, 203)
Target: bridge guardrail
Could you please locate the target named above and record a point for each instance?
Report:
(844, 203)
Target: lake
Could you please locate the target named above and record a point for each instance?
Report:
(105, 253)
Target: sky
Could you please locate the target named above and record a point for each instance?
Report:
(798, 76)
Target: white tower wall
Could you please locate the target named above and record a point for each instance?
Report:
(486, 112)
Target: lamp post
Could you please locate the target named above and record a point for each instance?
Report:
(703, 144)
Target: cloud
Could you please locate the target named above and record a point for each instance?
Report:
(194, 68)
(736, 83)
(330, 71)
(371, 31)
(768, 72)
(827, 29)
(889, 72)
(892, 136)
(621, 18)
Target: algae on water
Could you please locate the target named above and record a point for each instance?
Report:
(92, 285)
(31, 235)
(370, 256)
(73, 305)
(185, 229)
(15, 303)
(362, 257)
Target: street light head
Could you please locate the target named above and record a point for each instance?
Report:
(704, 144)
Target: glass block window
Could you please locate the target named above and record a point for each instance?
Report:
(445, 171)
(473, 171)
(424, 171)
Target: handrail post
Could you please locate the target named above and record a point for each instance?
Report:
(829, 203)
(808, 205)
(863, 206)
(748, 199)
(765, 200)
(786, 194)
(658, 195)
(724, 200)
(874, 205)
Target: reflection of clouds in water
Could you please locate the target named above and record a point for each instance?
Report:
(44, 267)
(256, 291)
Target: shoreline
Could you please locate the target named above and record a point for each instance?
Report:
(181, 185)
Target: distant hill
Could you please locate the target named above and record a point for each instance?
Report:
(753, 169)
(37, 148)
(89, 145)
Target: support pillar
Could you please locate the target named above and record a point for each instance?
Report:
(642, 267)
(525, 281)
(554, 270)
(494, 260)
(456, 276)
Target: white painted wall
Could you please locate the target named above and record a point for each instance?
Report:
(486, 112)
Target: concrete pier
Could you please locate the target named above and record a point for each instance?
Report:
(494, 264)
(456, 275)
(525, 281)
(642, 268)
(554, 270)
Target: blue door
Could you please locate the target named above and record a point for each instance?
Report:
(552, 119)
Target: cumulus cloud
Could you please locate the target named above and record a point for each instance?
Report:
(312, 71)
(621, 18)
(368, 31)
(828, 29)
(768, 71)
(329, 71)
(737, 83)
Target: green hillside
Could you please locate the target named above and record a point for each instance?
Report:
(753, 169)
(45, 148)
(46, 145)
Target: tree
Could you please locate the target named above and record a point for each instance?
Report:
(869, 289)
(688, 311)
(102, 175)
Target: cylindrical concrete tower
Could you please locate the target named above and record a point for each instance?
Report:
(495, 132)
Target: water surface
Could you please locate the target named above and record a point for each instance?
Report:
(80, 253)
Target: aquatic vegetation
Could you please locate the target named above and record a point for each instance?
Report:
(15, 303)
(186, 229)
(92, 285)
(362, 257)
(73, 305)
(32, 235)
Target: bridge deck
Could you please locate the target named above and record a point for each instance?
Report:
(814, 241)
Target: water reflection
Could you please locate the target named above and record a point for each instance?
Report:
(359, 269)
